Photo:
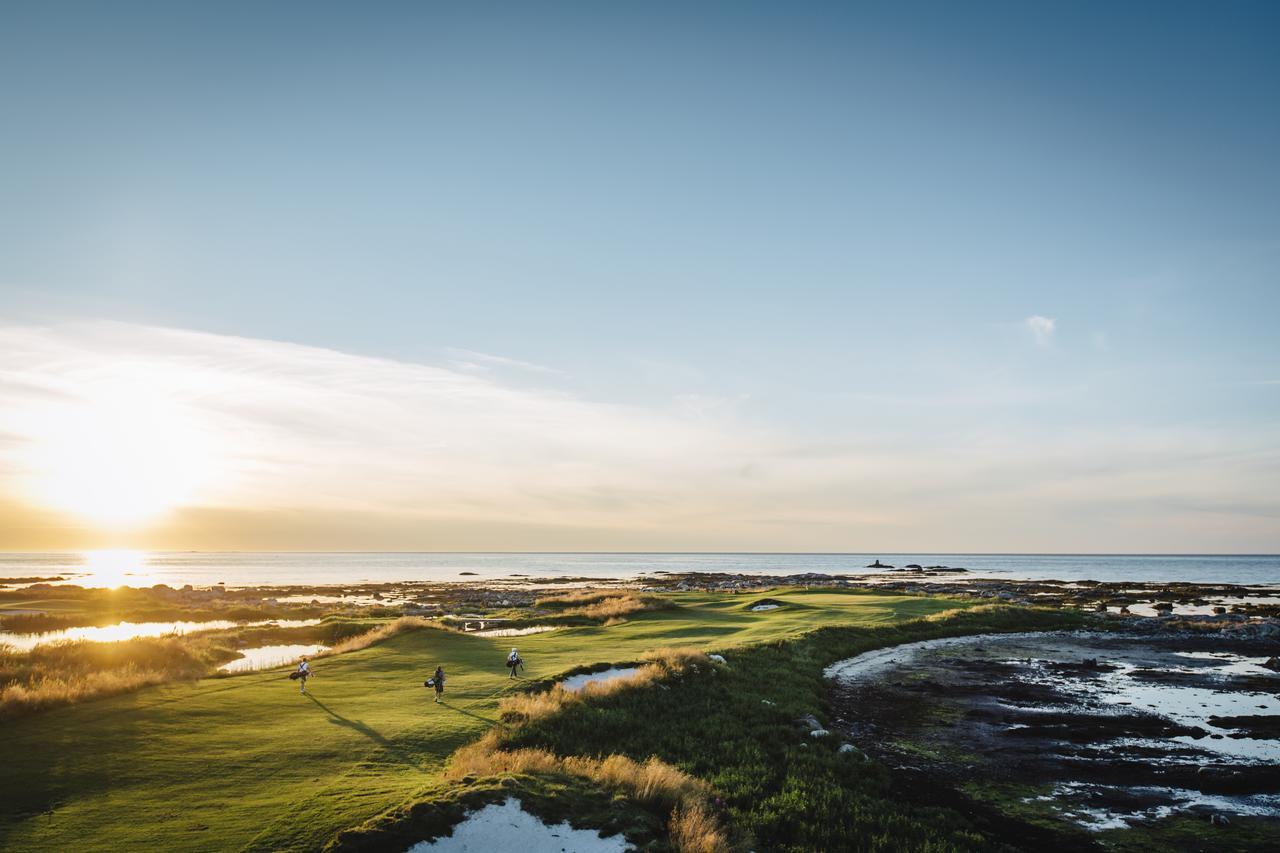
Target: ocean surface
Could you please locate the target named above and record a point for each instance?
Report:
(140, 568)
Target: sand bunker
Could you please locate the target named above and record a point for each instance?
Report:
(574, 683)
(514, 632)
(506, 826)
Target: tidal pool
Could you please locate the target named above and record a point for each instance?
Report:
(507, 826)
(266, 657)
(1121, 729)
(130, 630)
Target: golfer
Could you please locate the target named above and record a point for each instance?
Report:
(437, 681)
(304, 672)
(514, 660)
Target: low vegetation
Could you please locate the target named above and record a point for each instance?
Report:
(732, 727)
(605, 606)
(68, 672)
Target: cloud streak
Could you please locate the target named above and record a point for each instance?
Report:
(260, 444)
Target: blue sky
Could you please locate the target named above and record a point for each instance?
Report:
(823, 230)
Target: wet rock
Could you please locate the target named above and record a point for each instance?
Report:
(879, 565)
(1273, 663)
(1252, 725)
(808, 721)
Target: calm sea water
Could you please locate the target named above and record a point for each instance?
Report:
(134, 568)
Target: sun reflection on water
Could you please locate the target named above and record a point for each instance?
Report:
(116, 567)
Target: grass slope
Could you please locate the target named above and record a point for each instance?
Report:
(247, 763)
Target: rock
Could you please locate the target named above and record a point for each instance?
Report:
(850, 749)
(809, 721)
(1273, 663)
(1220, 610)
(717, 658)
(915, 566)
(1124, 611)
(769, 703)
(1219, 820)
(819, 733)
(879, 565)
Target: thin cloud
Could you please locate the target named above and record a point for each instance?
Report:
(267, 444)
(470, 359)
(1041, 328)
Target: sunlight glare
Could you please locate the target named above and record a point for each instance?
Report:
(117, 458)
(115, 567)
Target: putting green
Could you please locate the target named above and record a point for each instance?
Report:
(245, 762)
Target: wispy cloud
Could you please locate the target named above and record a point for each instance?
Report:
(267, 444)
(470, 360)
(1041, 328)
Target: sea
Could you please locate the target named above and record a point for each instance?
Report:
(239, 569)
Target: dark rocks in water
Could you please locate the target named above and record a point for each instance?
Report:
(1085, 666)
(879, 565)
(1124, 611)
(472, 574)
(1252, 725)
(946, 569)
(916, 566)
(1219, 610)
(1163, 607)
(1273, 663)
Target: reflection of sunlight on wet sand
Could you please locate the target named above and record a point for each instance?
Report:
(116, 567)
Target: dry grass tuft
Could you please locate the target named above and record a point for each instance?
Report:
(694, 829)
(608, 606)
(377, 635)
(692, 824)
(68, 672)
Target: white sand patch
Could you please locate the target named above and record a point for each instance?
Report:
(877, 661)
(507, 826)
(574, 683)
(514, 632)
(760, 607)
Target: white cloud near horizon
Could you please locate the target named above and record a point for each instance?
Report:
(1042, 328)
(100, 422)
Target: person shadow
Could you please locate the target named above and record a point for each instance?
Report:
(368, 731)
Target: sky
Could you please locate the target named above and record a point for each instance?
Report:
(905, 276)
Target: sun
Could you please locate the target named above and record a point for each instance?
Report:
(116, 459)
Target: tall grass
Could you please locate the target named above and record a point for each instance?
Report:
(377, 635)
(604, 605)
(663, 663)
(68, 672)
(692, 825)
(691, 822)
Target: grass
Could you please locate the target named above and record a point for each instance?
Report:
(732, 726)
(69, 672)
(607, 606)
(244, 762)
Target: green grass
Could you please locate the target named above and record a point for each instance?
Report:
(247, 763)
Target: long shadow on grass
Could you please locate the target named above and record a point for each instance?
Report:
(465, 712)
(368, 731)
